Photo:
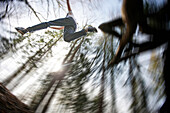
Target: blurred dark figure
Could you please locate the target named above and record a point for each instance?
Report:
(159, 35)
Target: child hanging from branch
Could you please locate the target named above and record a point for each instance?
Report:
(68, 24)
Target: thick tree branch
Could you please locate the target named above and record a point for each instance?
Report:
(141, 48)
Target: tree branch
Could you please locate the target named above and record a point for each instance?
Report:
(142, 48)
(27, 3)
(5, 13)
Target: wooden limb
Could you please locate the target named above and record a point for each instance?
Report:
(141, 48)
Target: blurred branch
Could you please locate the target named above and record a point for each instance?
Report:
(57, 76)
(39, 53)
(77, 48)
(3, 15)
(51, 97)
(27, 3)
(71, 49)
(142, 48)
(139, 48)
(102, 82)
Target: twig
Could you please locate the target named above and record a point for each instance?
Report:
(27, 3)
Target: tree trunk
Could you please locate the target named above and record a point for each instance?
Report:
(10, 103)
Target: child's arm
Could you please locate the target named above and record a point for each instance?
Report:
(68, 6)
(57, 28)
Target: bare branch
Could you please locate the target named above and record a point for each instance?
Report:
(3, 15)
(27, 3)
(142, 48)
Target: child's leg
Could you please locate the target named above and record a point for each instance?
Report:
(57, 22)
(72, 36)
